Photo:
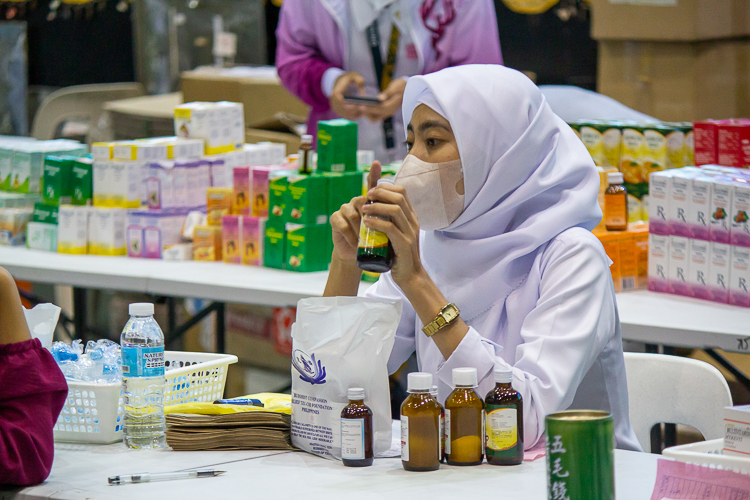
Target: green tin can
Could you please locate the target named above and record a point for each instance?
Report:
(580, 455)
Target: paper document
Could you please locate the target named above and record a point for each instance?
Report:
(681, 481)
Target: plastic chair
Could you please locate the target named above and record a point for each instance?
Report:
(672, 389)
(81, 101)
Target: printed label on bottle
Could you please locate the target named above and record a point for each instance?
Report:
(371, 238)
(484, 433)
(447, 426)
(616, 209)
(404, 438)
(143, 361)
(353, 438)
(501, 426)
(442, 438)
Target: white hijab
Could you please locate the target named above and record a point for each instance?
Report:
(527, 179)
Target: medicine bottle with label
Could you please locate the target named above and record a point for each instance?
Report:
(356, 431)
(464, 420)
(306, 155)
(434, 393)
(420, 425)
(615, 203)
(504, 421)
(375, 253)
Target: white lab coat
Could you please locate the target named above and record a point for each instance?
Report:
(559, 332)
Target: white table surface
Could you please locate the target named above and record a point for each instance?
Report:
(81, 472)
(645, 316)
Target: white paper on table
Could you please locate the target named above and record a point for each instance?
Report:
(42, 321)
(681, 481)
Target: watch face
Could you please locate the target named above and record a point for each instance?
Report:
(451, 312)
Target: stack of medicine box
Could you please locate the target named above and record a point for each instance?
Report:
(22, 162)
(15, 208)
(699, 242)
(68, 185)
(298, 231)
(722, 141)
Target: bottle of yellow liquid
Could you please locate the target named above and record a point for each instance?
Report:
(504, 421)
(420, 425)
(464, 420)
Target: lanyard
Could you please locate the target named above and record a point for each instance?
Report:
(384, 73)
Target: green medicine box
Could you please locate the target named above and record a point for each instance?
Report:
(274, 244)
(6, 163)
(44, 213)
(83, 187)
(307, 199)
(308, 248)
(337, 146)
(58, 180)
(27, 167)
(278, 186)
(342, 188)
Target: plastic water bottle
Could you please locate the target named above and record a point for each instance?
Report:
(142, 343)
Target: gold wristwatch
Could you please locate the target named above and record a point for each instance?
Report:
(447, 315)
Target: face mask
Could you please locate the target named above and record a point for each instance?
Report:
(432, 189)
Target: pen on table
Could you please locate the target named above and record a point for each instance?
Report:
(249, 402)
(146, 477)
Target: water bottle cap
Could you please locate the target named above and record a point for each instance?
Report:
(503, 376)
(419, 381)
(141, 309)
(465, 377)
(356, 394)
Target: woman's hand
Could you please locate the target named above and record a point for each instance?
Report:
(402, 228)
(340, 88)
(390, 102)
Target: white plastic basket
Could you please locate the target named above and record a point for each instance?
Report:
(93, 412)
(708, 454)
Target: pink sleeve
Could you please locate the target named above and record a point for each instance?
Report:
(299, 60)
(32, 393)
(473, 37)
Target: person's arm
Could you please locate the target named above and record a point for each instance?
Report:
(32, 393)
(473, 36)
(562, 336)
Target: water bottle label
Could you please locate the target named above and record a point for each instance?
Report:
(143, 361)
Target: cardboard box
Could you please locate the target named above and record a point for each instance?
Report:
(291, 140)
(274, 244)
(262, 98)
(733, 144)
(308, 248)
(73, 229)
(207, 243)
(736, 431)
(337, 146)
(684, 20)
(675, 81)
(41, 236)
(307, 199)
(705, 141)
(628, 251)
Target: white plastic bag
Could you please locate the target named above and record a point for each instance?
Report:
(42, 321)
(338, 343)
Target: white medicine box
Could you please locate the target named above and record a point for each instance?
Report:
(737, 431)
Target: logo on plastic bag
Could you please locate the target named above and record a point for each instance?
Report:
(309, 369)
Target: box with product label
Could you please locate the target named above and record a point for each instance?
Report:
(127, 183)
(719, 272)
(257, 155)
(58, 180)
(134, 233)
(102, 150)
(739, 276)
(679, 265)
(167, 184)
(274, 244)
(733, 143)
(699, 266)
(602, 140)
(705, 139)
(27, 167)
(739, 216)
(13, 225)
(278, 186)
(242, 193)
(681, 185)
(655, 157)
(699, 212)
(41, 236)
(6, 162)
(107, 231)
(308, 247)
(72, 229)
(161, 229)
(219, 202)
(658, 263)
(231, 252)
(337, 146)
(736, 431)
(307, 199)
(722, 192)
(207, 243)
(83, 181)
(676, 144)
(231, 116)
(260, 189)
(342, 188)
(101, 181)
(197, 182)
(47, 214)
(201, 120)
(658, 209)
(276, 152)
(628, 251)
(252, 235)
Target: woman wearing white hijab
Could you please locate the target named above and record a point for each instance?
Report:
(492, 211)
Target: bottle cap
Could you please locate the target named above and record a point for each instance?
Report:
(464, 377)
(419, 381)
(365, 157)
(433, 391)
(503, 375)
(386, 180)
(356, 394)
(141, 309)
(307, 138)
(615, 178)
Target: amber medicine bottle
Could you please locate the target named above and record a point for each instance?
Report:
(356, 431)
(306, 155)
(464, 420)
(375, 253)
(434, 393)
(615, 203)
(420, 425)
(503, 408)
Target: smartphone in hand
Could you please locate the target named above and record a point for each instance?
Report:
(362, 100)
